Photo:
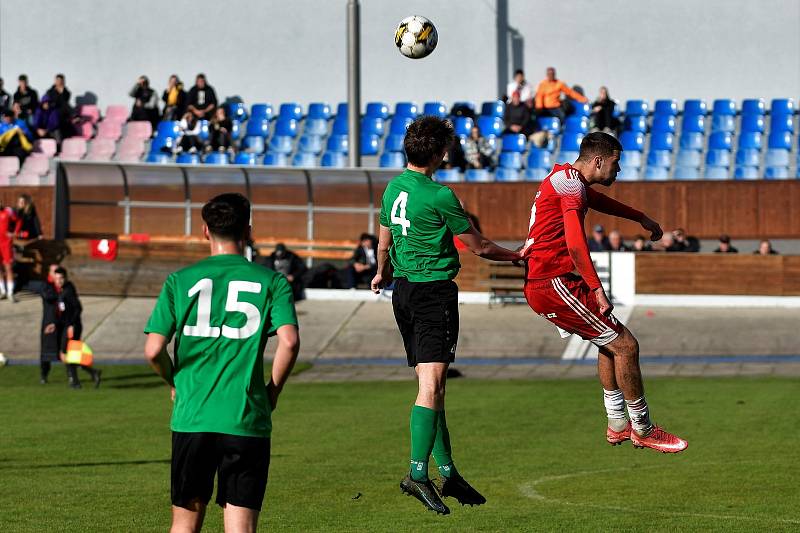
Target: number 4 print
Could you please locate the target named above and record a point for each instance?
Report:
(400, 206)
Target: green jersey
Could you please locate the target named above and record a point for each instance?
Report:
(221, 311)
(423, 216)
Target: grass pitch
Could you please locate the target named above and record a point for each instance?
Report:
(99, 460)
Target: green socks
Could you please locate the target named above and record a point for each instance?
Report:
(429, 434)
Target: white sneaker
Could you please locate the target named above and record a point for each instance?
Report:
(11, 297)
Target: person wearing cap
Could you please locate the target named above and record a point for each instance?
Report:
(725, 246)
(288, 263)
(599, 241)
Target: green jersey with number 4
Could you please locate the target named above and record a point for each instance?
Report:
(423, 216)
(221, 311)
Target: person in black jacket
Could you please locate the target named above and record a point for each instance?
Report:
(219, 131)
(202, 99)
(30, 227)
(145, 104)
(363, 266)
(290, 265)
(27, 98)
(603, 113)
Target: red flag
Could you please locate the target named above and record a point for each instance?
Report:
(105, 249)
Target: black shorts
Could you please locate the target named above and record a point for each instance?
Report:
(241, 465)
(427, 315)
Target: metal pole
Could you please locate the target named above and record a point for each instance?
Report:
(353, 83)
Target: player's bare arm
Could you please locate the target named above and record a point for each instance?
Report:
(486, 248)
(155, 351)
(384, 275)
(285, 358)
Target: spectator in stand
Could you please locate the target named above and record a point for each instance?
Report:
(202, 99)
(9, 225)
(668, 244)
(517, 116)
(174, 99)
(27, 98)
(684, 242)
(603, 118)
(47, 121)
(145, 103)
(548, 96)
(599, 241)
(765, 248)
(363, 266)
(5, 98)
(18, 121)
(725, 246)
(290, 265)
(455, 157)
(13, 141)
(219, 131)
(29, 226)
(521, 86)
(615, 242)
(190, 134)
(477, 150)
(60, 96)
(640, 244)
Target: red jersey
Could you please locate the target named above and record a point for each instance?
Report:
(545, 250)
(9, 224)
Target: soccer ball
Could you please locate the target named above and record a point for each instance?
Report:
(416, 37)
(3, 360)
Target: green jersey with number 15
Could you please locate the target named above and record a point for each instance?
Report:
(423, 216)
(221, 311)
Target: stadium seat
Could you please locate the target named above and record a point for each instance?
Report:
(693, 124)
(217, 158)
(290, 111)
(303, 159)
(462, 125)
(576, 124)
(720, 140)
(316, 126)
(571, 141)
(394, 142)
(99, 150)
(73, 149)
(491, 140)
(162, 144)
(333, 160)
(274, 159)
(663, 123)
(490, 126)
(725, 123)
(511, 160)
(337, 143)
(243, 158)
(752, 122)
(167, 129)
(40, 165)
(536, 174)
(636, 108)
(130, 150)
(717, 173)
(686, 173)
(47, 147)
(186, 158)
(659, 158)
(9, 166)
(117, 113)
(723, 106)
(751, 140)
(688, 158)
(377, 110)
(782, 106)
(580, 109)
(630, 158)
(662, 140)
(139, 129)
(319, 111)
(782, 140)
(629, 174)
(656, 173)
(253, 144)
(777, 157)
(435, 109)
(773, 173)
(753, 106)
(286, 126)
(311, 144)
(568, 156)
(392, 160)
(280, 144)
(549, 124)
(90, 112)
(406, 109)
(495, 108)
(477, 175)
(372, 125)
(666, 108)
(465, 103)
(399, 124)
(257, 127)
(694, 108)
(340, 126)
(159, 158)
(718, 158)
(513, 142)
(261, 111)
(506, 174)
(108, 129)
(448, 175)
(204, 134)
(236, 130)
(748, 157)
(341, 110)
(632, 141)
(237, 111)
(370, 144)
(538, 158)
(746, 173)
(691, 141)
(781, 123)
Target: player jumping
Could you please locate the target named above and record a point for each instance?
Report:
(562, 285)
(221, 311)
(418, 220)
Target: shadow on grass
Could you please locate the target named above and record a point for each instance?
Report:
(126, 377)
(87, 464)
(150, 384)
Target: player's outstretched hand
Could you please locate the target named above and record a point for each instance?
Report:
(172, 394)
(379, 283)
(652, 226)
(602, 301)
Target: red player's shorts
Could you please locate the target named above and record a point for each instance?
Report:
(568, 302)
(6, 251)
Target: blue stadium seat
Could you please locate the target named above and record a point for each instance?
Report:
(629, 174)
(630, 158)
(435, 109)
(750, 139)
(656, 173)
(187, 158)
(536, 174)
(477, 175)
(777, 157)
(316, 126)
(549, 124)
(568, 156)
(635, 108)
(448, 175)
(746, 173)
(406, 109)
(632, 141)
(337, 143)
(782, 140)
(370, 144)
(663, 123)
(491, 140)
(237, 111)
(160, 144)
(465, 103)
(286, 126)
(333, 160)
(274, 159)
(511, 160)
(781, 123)
(506, 174)
(720, 140)
(158, 157)
(693, 124)
(339, 126)
(686, 173)
(236, 130)
(576, 123)
(773, 173)
(694, 108)
(257, 126)
(692, 141)
(723, 123)
(392, 160)
(253, 144)
(753, 106)
(399, 124)
(782, 106)
(724, 106)
(495, 108)
(571, 141)
(372, 125)
(244, 158)
(748, 157)
(666, 108)
(290, 111)
(635, 123)
(662, 140)
(319, 111)
(687, 158)
(490, 126)
(303, 159)
(217, 158)
(377, 109)
(538, 158)
(280, 144)
(261, 111)
(341, 110)
(581, 109)
(513, 142)
(753, 123)
(717, 173)
(462, 125)
(659, 158)
(718, 158)
(311, 144)
(168, 129)
(394, 142)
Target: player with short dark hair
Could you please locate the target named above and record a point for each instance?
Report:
(221, 311)
(562, 284)
(418, 220)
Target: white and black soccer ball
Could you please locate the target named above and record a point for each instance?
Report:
(416, 37)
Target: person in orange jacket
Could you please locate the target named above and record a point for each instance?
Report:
(548, 96)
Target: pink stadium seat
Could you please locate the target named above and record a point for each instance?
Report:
(84, 130)
(139, 129)
(38, 165)
(109, 129)
(117, 113)
(9, 166)
(101, 150)
(73, 149)
(5, 181)
(91, 112)
(130, 150)
(27, 178)
(47, 147)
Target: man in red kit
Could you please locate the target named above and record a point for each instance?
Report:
(9, 226)
(562, 285)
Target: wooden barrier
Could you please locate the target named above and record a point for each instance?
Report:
(42, 199)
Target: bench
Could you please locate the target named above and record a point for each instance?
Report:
(505, 284)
